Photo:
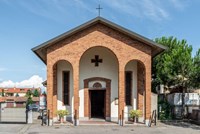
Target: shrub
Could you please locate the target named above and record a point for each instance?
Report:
(165, 113)
(62, 113)
(135, 113)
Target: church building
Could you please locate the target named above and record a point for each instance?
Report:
(99, 70)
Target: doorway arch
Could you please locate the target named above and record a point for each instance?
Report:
(107, 69)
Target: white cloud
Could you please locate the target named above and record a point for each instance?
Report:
(82, 4)
(179, 4)
(153, 9)
(156, 10)
(54, 8)
(34, 81)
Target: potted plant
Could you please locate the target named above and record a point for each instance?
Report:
(61, 114)
(135, 114)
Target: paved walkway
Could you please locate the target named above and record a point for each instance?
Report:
(13, 128)
(162, 128)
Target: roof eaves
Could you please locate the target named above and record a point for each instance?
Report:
(39, 56)
(138, 36)
(68, 33)
(93, 21)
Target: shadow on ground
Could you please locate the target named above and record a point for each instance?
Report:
(13, 122)
(182, 124)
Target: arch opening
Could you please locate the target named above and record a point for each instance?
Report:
(135, 87)
(99, 62)
(62, 88)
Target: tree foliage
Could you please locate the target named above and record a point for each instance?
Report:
(29, 97)
(2, 94)
(17, 95)
(174, 66)
(196, 70)
(36, 93)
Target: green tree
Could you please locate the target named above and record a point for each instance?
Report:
(196, 70)
(36, 93)
(29, 97)
(17, 95)
(3, 94)
(44, 93)
(174, 66)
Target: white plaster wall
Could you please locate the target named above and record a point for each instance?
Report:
(108, 69)
(20, 94)
(154, 103)
(64, 66)
(2, 105)
(132, 66)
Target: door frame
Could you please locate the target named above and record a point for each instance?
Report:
(87, 112)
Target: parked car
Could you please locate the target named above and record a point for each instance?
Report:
(34, 107)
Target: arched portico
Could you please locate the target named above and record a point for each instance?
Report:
(98, 65)
(62, 71)
(135, 87)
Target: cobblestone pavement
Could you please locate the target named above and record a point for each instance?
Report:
(161, 128)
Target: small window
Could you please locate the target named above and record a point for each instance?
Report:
(97, 85)
(128, 86)
(66, 88)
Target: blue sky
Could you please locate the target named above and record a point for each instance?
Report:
(25, 24)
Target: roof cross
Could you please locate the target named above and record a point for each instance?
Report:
(99, 8)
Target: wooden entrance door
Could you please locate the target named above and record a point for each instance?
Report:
(97, 103)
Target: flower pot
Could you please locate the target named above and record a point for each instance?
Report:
(61, 120)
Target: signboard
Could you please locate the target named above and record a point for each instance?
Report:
(43, 102)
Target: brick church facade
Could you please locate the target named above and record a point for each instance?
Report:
(99, 70)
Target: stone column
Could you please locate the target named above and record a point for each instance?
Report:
(121, 95)
(140, 89)
(76, 94)
(86, 103)
(50, 91)
(148, 92)
(30, 117)
(55, 90)
(108, 103)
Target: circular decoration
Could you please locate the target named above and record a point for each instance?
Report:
(97, 85)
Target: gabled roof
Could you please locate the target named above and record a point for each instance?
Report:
(40, 50)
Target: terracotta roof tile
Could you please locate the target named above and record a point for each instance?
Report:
(17, 90)
(17, 99)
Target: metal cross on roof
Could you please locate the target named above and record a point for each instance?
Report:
(99, 8)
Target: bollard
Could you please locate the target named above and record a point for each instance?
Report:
(26, 116)
(75, 118)
(48, 116)
(122, 117)
(155, 117)
(42, 117)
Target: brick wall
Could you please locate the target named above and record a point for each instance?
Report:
(125, 48)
